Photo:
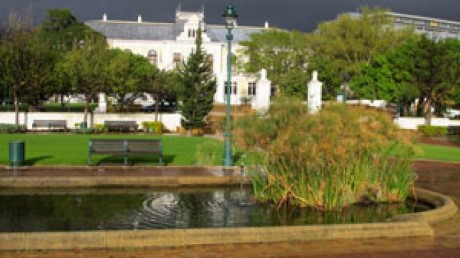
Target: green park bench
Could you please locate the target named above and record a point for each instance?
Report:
(125, 148)
(50, 124)
(121, 126)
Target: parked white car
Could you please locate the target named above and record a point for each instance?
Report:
(452, 113)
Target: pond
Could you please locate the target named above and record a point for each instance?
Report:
(138, 209)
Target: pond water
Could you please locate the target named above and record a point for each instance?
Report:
(137, 209)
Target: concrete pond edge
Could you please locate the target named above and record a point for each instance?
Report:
(407, 225)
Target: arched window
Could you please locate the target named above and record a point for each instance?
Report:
(153, 56)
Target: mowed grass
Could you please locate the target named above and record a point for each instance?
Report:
(441, 153)
(72, 149)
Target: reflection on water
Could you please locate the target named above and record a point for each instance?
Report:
(157, 209)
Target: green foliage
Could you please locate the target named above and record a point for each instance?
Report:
(285, 56)
(100, 128)
(9, 108)
(85, 69)
(209, 153)
(154, 126)
(431, 130)
(329, 160)
(68, 107)
(11, 128)
(351, 41)
(127, 73)
(197, 87)
(26, 64)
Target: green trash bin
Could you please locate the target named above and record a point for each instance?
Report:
(17, 153)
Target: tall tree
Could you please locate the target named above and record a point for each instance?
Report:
(197, 86)
(283, 54)
(62, 32)
(85, 69)
(127, 72)
(160, 84)
(25, 63)
(349, 43)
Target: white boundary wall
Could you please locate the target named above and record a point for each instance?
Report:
(170, 120)
(412, 122)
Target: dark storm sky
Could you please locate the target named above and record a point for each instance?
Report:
(289, 14)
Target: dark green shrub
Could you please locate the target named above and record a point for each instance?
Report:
(10, 108)
(11, 128)
(431, 130)
(68, 107)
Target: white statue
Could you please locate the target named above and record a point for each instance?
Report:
(314, 94)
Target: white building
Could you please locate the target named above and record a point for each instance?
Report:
(434, 28)
(167, 45)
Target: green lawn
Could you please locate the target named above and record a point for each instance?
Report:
(442, 153)
(72, 149)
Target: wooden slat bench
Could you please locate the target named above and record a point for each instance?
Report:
(50, 124)
(125, 147)
(121, 125)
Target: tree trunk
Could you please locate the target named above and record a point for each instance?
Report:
(16, 108)
(157, 107)
(428, 113)
(420, 106)
(85, 112)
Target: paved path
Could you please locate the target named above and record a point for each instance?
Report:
(440, 177)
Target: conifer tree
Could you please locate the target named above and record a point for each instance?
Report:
(197, 86)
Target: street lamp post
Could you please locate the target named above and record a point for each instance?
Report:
(230, 16)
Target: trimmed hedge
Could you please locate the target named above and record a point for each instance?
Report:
(11, 128)
(431, 130)
(70, 107)
(10, 108)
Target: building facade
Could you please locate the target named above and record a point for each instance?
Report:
(167, 45)
(434, 28)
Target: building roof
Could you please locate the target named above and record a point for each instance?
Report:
(164, 31)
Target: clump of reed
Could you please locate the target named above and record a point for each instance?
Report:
(329, 160)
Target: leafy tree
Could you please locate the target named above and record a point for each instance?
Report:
(85, 69)
(126, 72)
(25, 63)
(350, 43)
(62, 32)
(197, 86)
(283, 54)
(161, 85)
(421, 68)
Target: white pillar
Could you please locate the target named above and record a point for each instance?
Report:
(261, 100)
(102, 104)
(314, 94)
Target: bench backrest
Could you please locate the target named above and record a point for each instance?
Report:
(50, 123)
(118, 123)
(120, 146)
(145, 146)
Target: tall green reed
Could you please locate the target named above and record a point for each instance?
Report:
(329, 160)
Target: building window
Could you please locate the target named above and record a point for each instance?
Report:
(191, 33)
(177, 59)
(210, 60)
(234, 88)
(251, 89)
(152, 56)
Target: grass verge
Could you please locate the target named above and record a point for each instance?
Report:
(72, 149)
